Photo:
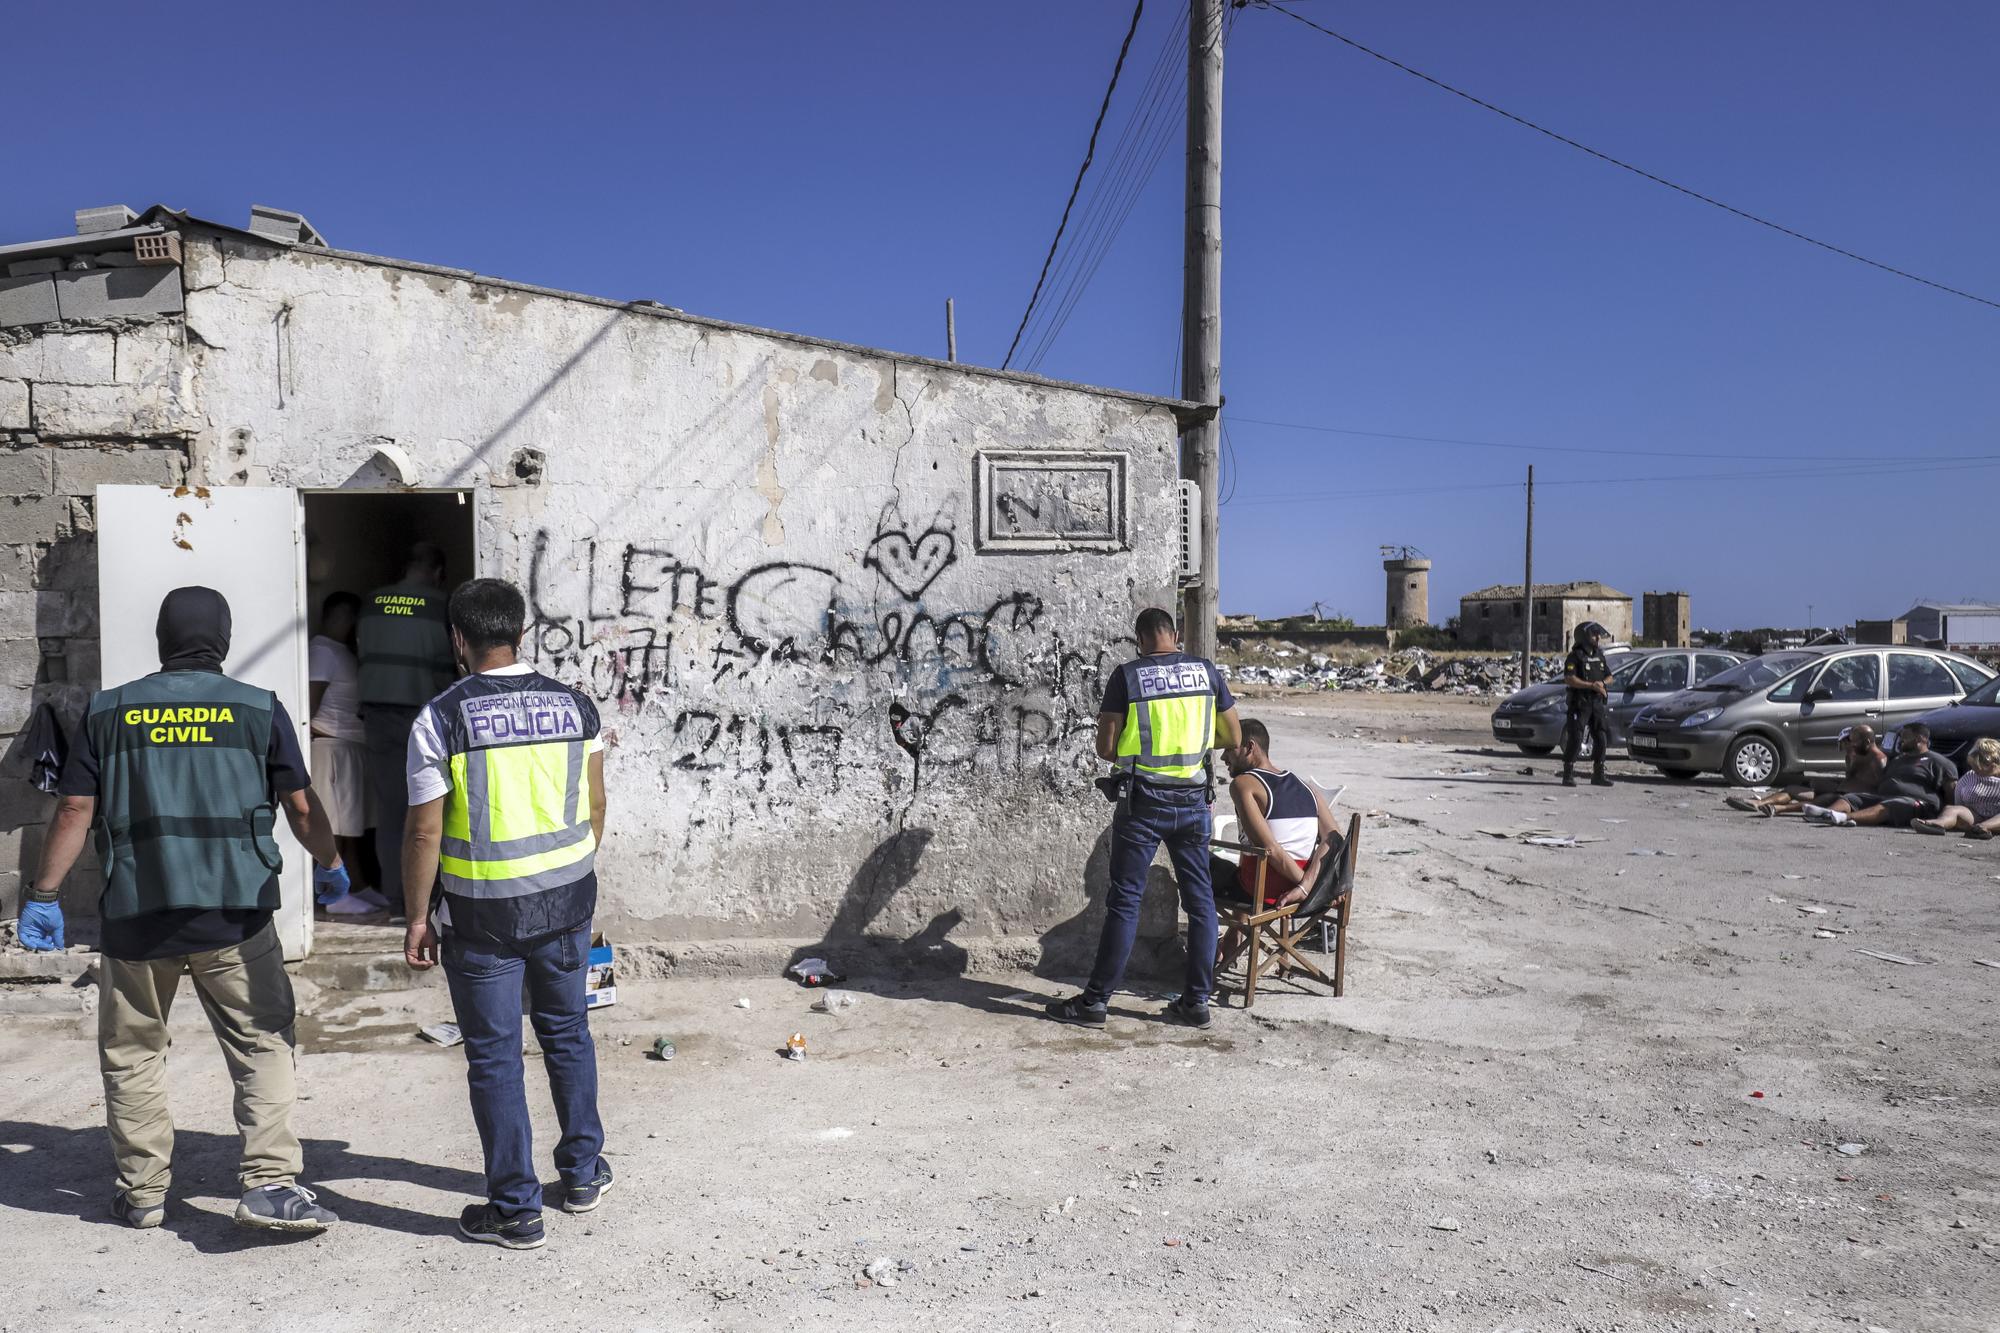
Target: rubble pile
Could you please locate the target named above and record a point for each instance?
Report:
(1410, 671)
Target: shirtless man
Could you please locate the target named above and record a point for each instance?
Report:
(1865, 763)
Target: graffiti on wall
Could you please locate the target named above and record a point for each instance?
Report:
(797, 683)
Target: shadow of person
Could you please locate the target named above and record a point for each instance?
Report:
(46, 1162)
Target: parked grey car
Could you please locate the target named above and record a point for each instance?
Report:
(1532, 718)
(1781, 714)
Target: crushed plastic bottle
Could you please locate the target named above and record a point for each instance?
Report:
(795, 1046)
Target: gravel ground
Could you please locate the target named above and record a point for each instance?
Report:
(1533, 1110)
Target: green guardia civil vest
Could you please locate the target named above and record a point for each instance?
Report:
(404, 646)
(184, 808)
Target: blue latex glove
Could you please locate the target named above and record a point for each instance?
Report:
(329, 885)
(41, 927)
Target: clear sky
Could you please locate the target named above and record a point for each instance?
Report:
(1395, 259)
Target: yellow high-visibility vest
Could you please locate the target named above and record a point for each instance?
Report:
(1169, 721)
(517, 818)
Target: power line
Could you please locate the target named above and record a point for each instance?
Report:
(1567, 448)
(1624, 165)
(1089, 151)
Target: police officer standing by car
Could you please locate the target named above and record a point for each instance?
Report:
(1584, 672)
(404, 650)
(182, 774)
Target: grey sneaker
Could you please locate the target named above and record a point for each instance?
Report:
(585, 1197)
(131, 1215)
(1075, 1010)
(283, 1208)
(483, 1223)
(1181, 1011)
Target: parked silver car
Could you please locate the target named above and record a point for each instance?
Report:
(1781, 714)
(1533, 718)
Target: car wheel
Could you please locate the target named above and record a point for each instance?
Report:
(1682, 774)
(1752, 761)
(1538, 751)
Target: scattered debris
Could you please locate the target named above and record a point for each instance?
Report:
(815, 972)
(1812, 911)
(1550, 840)
(1654, 851)
(1445, 1224)
(743, 1002)
(1825, 935)
(1851, 1149)
(1986, 962)
(836, 1002)
(1605, 1272)
(1794, 876)
(836, 1133)
(663, 1048)
(1758, 1095)
(1063, 1209)
(882, 1272)
(1890, 957)
(1411, 671)
(443, 1034)
(1773, 898)
(795, 1046)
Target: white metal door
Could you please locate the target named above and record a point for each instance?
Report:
(246, 543)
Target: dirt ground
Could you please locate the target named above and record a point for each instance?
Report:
(1534, 1109)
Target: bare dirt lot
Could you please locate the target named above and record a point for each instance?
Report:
(1534, 1109)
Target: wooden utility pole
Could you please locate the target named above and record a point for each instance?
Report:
(1201, 310)
(1528, 590)
(950, 331)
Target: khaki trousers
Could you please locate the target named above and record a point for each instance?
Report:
(248, 999)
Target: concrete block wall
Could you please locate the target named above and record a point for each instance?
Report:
(82, 403)
(847, 615)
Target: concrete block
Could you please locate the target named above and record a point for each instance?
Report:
(24, 471)
(14, 413)
(78, 358)
(20, 658)
(149, 353)
(108, 217)
(17, 704)
(108, 293)
(17, 615)
(22, 268)
(29, 518)
(28, 301)
(81, 471)
(201, 263)
(87, 410)
(63, 615)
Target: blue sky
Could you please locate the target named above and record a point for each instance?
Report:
(1395, 260)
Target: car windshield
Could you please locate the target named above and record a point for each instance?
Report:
(1987, 694)
(1758, 672)
(1626, 670)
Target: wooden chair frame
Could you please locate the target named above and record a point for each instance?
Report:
(1268, 938)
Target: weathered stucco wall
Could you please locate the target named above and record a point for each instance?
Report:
(847, 616)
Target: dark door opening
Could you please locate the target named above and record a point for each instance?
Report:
(358, 541)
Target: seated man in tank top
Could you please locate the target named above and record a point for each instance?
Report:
(1278, 810)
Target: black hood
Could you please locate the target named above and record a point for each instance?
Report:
(193, 630)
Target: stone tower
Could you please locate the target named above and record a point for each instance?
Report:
(1409, 575)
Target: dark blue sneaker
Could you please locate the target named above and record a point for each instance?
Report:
(585, 1197)
(483, 1223)
(1185, 1012)
(283, 1208)
(1076, 1010)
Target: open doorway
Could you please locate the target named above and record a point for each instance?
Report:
(356, 542)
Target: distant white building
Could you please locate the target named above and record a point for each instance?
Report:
(1958, 625)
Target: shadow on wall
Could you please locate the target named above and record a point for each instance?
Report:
(930, 960)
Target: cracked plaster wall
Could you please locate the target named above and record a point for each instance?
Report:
(830, 713)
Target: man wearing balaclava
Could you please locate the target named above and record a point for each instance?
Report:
(182, 774)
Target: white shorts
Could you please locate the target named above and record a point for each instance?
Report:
(337, 780)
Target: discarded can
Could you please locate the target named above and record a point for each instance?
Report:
(663, 1048)
(795, 1047)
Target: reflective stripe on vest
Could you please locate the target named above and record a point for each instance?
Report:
(517, 818)
(1169, 722)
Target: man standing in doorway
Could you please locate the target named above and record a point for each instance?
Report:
(1162, 714)
(405, 657)
(183, 773)
(1584, 672)
(506, 795)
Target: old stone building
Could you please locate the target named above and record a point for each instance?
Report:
(1665, 619)
(1491, 617)
(847, 613)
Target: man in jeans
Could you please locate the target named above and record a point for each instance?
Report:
(1162, 713)
(506, 790)
(182, 773)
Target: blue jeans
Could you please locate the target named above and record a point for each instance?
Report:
(1179, 818)
(485, 979)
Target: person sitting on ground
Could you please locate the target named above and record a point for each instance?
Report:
(1275, 809)
(1975, 807)
(1865, 762)
(1915, 785)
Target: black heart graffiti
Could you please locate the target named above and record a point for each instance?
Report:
(911, 567)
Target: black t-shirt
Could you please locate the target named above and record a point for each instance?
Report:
(1923, 776)
(182, 931)
(1585, 664)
